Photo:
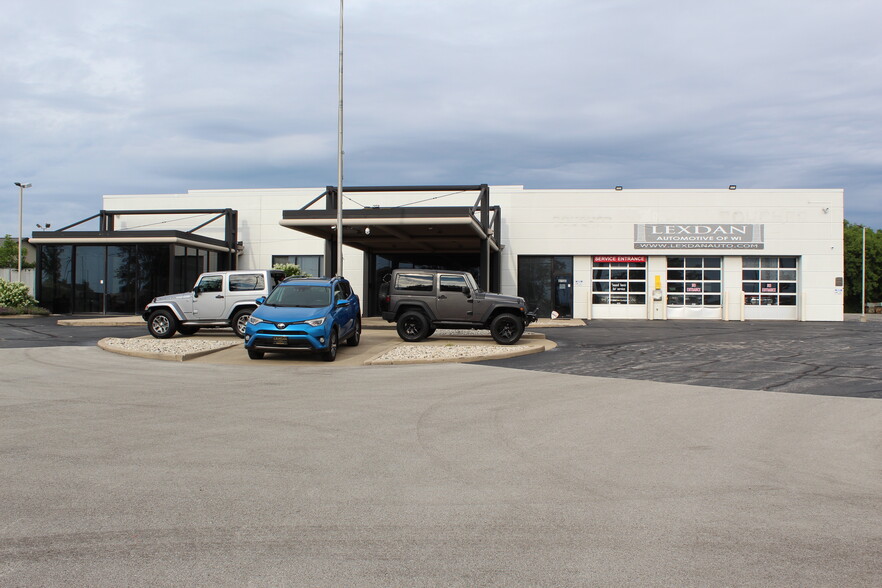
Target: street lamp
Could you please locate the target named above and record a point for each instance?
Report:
(21, 189)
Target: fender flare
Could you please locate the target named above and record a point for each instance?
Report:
(403, 307)
(172, 306)
(240, 306)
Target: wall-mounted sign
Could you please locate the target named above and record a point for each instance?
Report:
(709, 236)
(619, 259)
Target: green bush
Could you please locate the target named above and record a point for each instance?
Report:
(290, 269)
(15, 295)
(7, 311)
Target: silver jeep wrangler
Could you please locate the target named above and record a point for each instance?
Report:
(219, 299)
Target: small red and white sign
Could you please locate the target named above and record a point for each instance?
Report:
(619, 259)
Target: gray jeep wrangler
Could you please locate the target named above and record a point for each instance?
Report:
(218, 299)
(420, 301)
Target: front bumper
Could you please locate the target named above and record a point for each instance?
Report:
(268, 337)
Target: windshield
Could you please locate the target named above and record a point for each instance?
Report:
(301, 295)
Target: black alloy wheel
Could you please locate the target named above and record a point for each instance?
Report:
(506, 329)
(413, 326)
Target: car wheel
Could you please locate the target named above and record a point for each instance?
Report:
(413, 326)
(331, 353)
(355, 339)
(430, 332)
(162, 324)
(506, 329)
(187, 330)
(255, 354)
(240, 320)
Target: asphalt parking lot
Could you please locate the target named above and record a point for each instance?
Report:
(837, 359)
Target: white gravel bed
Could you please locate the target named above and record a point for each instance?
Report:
(423, 352)
(174, 346)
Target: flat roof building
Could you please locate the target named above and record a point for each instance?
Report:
(724, 254)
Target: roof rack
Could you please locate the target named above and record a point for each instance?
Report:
(293, 278)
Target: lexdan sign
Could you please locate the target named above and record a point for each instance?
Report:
(710, 236)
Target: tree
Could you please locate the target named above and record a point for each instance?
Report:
(9, 254)
(853, 236)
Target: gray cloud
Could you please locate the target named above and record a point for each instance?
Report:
(146, 97)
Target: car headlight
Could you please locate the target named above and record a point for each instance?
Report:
(316, 322)
(253, 320)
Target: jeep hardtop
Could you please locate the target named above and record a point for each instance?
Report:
(218, 299)
(420, 301)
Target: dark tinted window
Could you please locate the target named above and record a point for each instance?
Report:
(414, 282)
(452, 283)
(240, 282)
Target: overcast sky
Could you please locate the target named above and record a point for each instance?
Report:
(133, 97)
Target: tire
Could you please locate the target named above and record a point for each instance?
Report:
(239, 320)
(431, 332)
(255, 354)
(331, 353)
(413, 326)
(187, 330)
(355, 339)
(162, 324)
(506, 329)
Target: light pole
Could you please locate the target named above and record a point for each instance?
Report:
(864, 276)
(340, 154)
(21, 189)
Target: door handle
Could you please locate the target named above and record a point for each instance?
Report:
(442, 297)
(219, 296)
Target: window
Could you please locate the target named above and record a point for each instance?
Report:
(695, 281)
(310, 265)
(769, 281)
(619, 282)
(243, 282)
(211, 284)
(414, 282)
(452, 283)
(342, 291)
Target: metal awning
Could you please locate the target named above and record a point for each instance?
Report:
(129, 238)
(447, 229)
(429, 229)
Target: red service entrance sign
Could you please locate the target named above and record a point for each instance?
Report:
(619, 259)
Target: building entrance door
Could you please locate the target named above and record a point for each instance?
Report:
(547, 282)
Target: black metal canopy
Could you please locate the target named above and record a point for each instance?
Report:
(384, 230)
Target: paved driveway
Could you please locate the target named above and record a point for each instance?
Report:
(838, 359)
(120, 471)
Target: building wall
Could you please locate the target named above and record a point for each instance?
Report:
(580, 223)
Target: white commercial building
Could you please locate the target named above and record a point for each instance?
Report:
(724, 254)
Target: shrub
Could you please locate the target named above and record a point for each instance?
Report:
(15, 295)
(290, 269)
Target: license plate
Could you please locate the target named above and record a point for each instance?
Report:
(280, 340)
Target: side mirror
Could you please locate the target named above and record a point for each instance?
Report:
(261, 300)
(466, 291)
(196, 291)
(342, 303)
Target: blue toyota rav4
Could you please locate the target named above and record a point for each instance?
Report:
(305, 313)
